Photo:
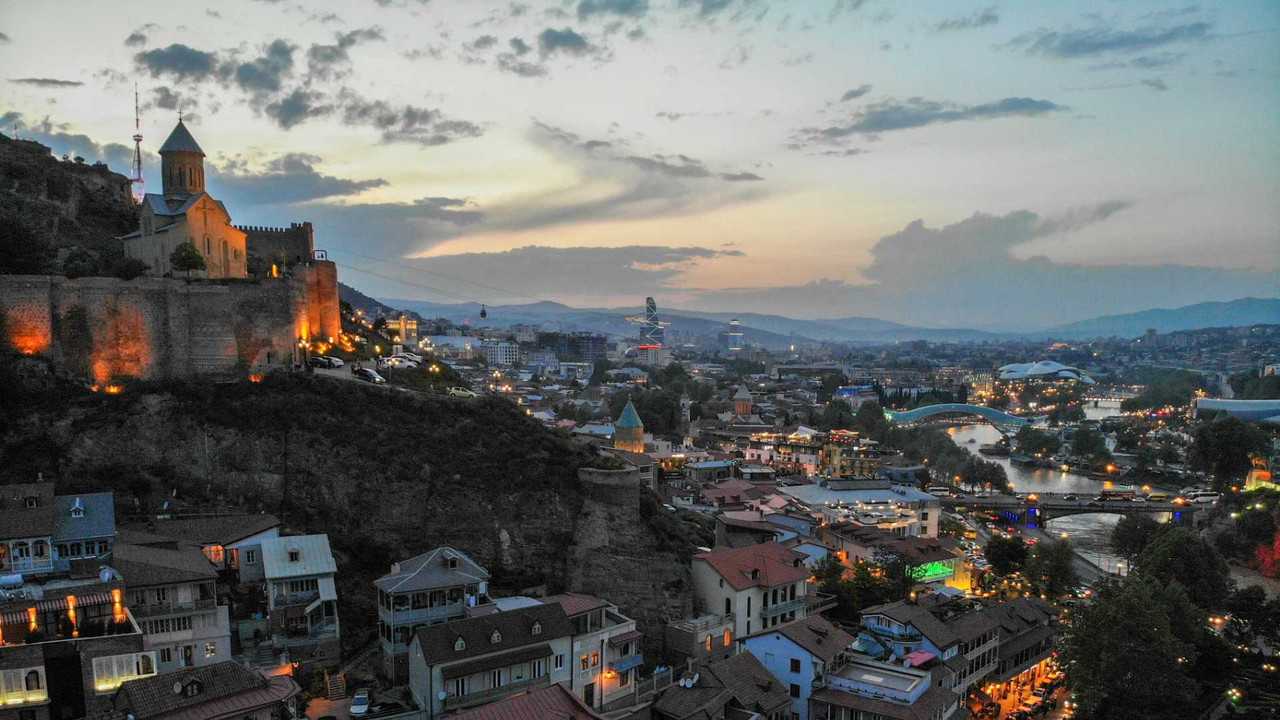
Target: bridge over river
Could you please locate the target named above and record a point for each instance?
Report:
(1004, 422)
(1035, 513)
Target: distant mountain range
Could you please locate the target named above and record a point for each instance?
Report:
(1245, 311)
(776, 331)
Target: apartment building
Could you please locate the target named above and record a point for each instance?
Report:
(434, 587)
(699, 639)
(472, 662)
(219, 690)
(761, 586)
(232, 543)
(172, 592)
(301, 599)
(800, 654)
(605, 649)
(862, 687)
(65, 646)
(733, 689)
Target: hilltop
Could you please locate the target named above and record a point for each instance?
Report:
(63, 204)
(387, 474)
(1234, 313)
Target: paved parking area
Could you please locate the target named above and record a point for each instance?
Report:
(337, 709)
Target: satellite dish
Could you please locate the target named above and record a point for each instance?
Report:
(483, 312)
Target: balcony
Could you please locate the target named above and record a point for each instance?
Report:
(481, 697)
(280, 600)
(154, 609)
(895, 635)
(817, 602)
(784, 607)
(704, 623)
(302, 636)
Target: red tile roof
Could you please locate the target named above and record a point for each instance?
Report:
(762, 565)
(577, 603)
(549, 703)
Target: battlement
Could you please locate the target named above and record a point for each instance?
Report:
(280, 245)
(293, 229)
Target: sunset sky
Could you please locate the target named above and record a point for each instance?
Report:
(1006, 165)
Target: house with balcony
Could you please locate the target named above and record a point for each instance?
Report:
(699, 639)
(762, 586)
(42, 533)
(66, 645)
(800, 654)
(172, 593)
(606, 650)
(960, 632)
(301, 600)
(862, 687)
(432, 588)
(476, 661)
(233, 542)
(1026, 628)
(739, 688)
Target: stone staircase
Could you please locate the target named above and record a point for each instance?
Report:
(336, 686)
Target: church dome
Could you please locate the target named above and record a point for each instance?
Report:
(180, 140)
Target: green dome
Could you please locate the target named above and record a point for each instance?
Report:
(629, 418)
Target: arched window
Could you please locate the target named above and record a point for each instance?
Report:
(495, 638)
(34, 681)
(536, 629)
(459, 645)
(145, 665)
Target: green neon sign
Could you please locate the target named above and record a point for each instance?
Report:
(930, 571)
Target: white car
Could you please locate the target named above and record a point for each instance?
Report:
(397, 363)
(461, 392)
(411, 356)
(334, 362)
(360, 703)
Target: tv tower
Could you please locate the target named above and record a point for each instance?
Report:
(137, 182)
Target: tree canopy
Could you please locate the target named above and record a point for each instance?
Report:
(186, 258)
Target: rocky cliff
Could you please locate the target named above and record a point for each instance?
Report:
(66, 203)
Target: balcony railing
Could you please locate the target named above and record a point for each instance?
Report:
(783, 607)
(298, 598)
(154, 609)
(817, 602)
(480, 697)
(898, 635)
(703, 624)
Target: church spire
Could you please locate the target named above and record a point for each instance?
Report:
(181, 163)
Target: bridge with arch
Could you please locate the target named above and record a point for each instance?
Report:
(1004, 422)
(1019, 510)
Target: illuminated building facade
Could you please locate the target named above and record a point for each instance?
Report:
(628, 430)
(42, 533)
(606, 654)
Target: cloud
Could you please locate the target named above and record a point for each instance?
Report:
(519, 46)
(297, 107)
(4, 39)
(890, 115)
(406, 123)
(135, 39)
(1155, 84)
(287, 179)
(1092, 42)
(741, 177)
(180, 62)
(325, 62)
(967, 274)
(484, 42)
(624, 8)
(61, 141)
(266, 73)
(508, 62)
(565, 40)
(855, 93)
(981, 18)
(46, 82)
(165, 98)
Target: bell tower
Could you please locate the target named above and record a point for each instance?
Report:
(181, 164)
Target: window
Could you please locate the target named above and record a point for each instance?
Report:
(295, 555)
(111, 671)
(728, 607)
(210, 649)
(40, 548)
(536, 629)
(459, 645)
(495, 638)
(595, 659)
(707, 642)
(251, 557)
(924, 516)
(103, 547)
(585, 661)
(162, 595)
(795, 666)
(539, 668)
(459, 687)
(32, 501)
(77, 512)
(624, 679)
(558, 663)
(795, 690)
(495, 678)
(166, 655)
(22, 685)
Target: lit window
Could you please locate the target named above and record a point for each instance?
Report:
(210, 649)
(459, 645)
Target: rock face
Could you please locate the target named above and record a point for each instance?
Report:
(72, 204)
(617, 554)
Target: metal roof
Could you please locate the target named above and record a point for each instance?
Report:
(629, 418)
(431, 570)
(314, 556)
(180, 140)
(97, 520)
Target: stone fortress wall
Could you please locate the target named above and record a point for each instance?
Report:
(152, 328)
(284, 246)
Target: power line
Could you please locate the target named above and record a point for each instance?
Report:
(400, 262)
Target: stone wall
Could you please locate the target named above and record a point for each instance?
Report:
(283, 246)
(106, 328)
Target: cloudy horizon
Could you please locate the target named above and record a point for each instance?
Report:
(986, 165)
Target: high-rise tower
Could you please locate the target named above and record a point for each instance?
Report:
(139, 191)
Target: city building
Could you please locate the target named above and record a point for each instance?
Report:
(548, 703)
(301, 599)
(1026, 627)
(172, 592)
(762, 586)
(403, 329)
(66, 645)
(929, 559)
(800, 654)
(222, 690)
(606, 649)
(628, 430)
(738, 687)
(471, 662)
(43, 533)
(434, 587)
(699, 639)
(902, 509)
(500, 353)
(230, 542)
(861, 687)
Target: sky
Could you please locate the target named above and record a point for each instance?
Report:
(945, 164)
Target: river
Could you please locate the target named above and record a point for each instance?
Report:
(1090, 534)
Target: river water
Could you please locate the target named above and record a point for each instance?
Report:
(1090, 534)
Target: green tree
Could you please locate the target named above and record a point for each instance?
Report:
(1122, 658)
(1178, 554)
(1257, 526)
(836, 416)
(80, 263)
(1089, 443)
(1037, 442)
(186, 258)
(1051, 566)
(1222, 447)
(1005, 554)
(870, 421)
(129, 268)
(1133, 534)
(23, 249)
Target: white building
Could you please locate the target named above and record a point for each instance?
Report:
(761, 586)
(302, 601)
(500, 353)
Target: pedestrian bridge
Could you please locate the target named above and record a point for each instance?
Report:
(1002, 420)
(1019, 510)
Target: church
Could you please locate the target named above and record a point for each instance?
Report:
(184, 212)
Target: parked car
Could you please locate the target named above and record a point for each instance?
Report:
(461, 392)
(360, 703)
(386, 708)
(396, 363)
(319, 361)
(368, 375)
(1070, 497)
(334, 362)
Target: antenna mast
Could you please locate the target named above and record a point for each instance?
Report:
(137, 182)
